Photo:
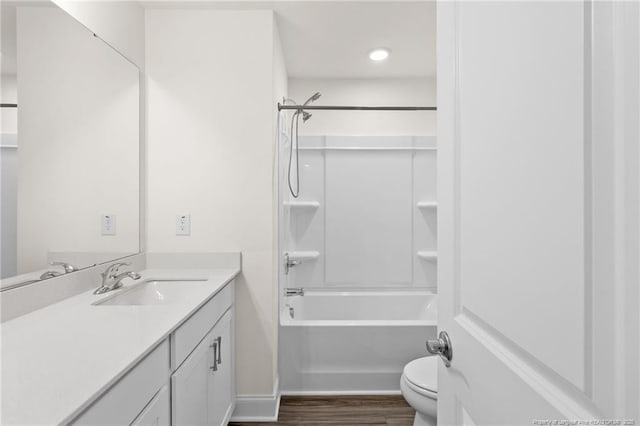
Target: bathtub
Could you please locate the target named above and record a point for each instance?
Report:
(352, 342)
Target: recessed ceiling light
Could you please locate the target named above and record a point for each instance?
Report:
(379, 54)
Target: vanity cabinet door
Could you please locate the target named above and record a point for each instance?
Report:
(221, 381)
(157, 412)
(190, 387)
(203, 386)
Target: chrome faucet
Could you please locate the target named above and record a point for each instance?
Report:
(68, 268)
(49, 274)
(112, 280)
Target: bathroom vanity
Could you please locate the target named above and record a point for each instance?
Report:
(159, 350)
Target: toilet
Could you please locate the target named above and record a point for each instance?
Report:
(419, 386)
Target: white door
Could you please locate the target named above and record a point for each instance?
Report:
(538, 211)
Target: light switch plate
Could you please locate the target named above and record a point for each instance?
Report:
(183, 224)
(108, 224)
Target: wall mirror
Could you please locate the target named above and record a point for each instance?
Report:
(69, 147)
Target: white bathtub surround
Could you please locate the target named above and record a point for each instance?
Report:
(354, 342)
(58, 359)
(367, 211)
(360, 308)
(359, 234)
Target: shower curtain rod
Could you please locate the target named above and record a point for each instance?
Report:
(8, 105)
(355, 108)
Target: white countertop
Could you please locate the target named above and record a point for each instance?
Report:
(59, 359)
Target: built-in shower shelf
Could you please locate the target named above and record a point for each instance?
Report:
(428, 255)
(427, 205)
(303, 255)
(302, 205)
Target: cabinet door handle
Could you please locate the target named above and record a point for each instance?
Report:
(219, 339)
(214, 345)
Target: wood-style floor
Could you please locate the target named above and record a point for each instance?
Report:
(341, 411)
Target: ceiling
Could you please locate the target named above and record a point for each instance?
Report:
(332, 38)
(322, 38)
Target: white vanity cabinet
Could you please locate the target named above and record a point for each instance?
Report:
(203, 379)
(222, 380)
(157, 412)
(188, 379)
(128, 397)
(202, 387)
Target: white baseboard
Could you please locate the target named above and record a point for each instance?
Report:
(340, 392)
(257, 408)
(340, 383)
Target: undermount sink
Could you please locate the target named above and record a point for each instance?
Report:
(150, 292)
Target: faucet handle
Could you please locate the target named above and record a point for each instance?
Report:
(111, 280)
(118, 278)
(113, 269)
(66, 266)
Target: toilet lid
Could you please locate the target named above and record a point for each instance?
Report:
(423, 372)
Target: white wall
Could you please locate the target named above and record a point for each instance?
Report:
(212, 83)
(79, 143)
(280, 90)
(8, 177)
(119, 23)
(368, 92)
(9, 95)
(8, 206)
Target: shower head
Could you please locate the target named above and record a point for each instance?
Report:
(313, 98)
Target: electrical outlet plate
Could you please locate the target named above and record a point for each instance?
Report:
(183, 224)
(108, 224)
